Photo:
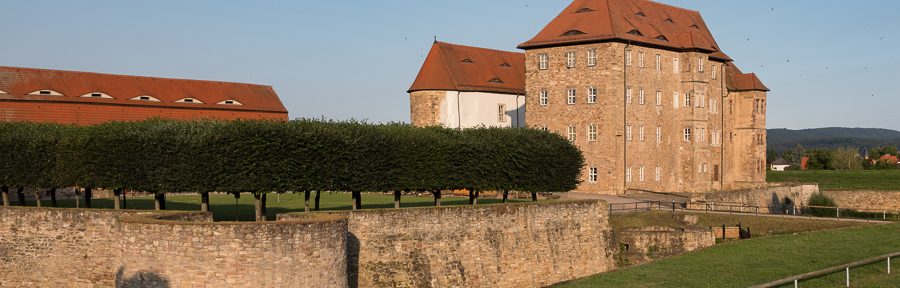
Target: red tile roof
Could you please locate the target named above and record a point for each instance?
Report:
(642, 21)
(470, 69)
(889, 158)
(18, 83)
(740, 81)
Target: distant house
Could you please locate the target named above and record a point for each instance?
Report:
(889, 159)
(804, 163)
(779, 165)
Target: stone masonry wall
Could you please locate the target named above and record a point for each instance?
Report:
(425, 107)
(773, 199)
(519, 245)
(641, 245)
(45, 247)
(886, 200)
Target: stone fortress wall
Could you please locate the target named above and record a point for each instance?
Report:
(517, 245)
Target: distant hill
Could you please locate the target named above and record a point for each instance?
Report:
(784, 139)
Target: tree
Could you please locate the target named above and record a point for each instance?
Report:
(846, 158)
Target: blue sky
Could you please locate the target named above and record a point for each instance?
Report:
(828, 63)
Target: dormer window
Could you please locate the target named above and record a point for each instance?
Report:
(230, 102)
(662, 38)
(46, 93)
(3, 92)
(505, 65)
(695, 26)
(635, 32)
(584, 10)
(467, 61)
(496, 80)
(640, 14)
(145, 98)
(573, 33)
(189, 100)
(669, 20)
(97, 95)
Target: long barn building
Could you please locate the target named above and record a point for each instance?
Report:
(84, 98)
(642, 88)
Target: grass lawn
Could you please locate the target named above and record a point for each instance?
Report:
(759, 225)
(749, 262)
(224, 208)
(888, 180)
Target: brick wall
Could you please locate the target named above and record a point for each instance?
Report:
(641, 245)
(520, 245)
(92, 113)
(45, 247)
(425, 107)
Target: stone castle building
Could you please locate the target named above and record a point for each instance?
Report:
(643, 89)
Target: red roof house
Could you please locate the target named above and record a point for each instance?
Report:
(85, 98)
(452, 67)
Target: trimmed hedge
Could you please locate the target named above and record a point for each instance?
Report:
(300, 155)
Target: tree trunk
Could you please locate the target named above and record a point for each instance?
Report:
(306, 200)
(53, 197)
(534, 196)
(124, 200)
(505, 196)
(37, 198)
(117, 199)
(4, 193)
(264, 212)
(397, 199)
(477, 194)
(318, 194)
(357, 201)
(471, 196)
(437, 198)
(257, 203)
(204, 201)
(88, 194)
(236, 197)
(20, 195)
(159, 201)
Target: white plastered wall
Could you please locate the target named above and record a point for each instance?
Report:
(474, 109)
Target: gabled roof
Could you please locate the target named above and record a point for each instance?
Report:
(740, 81)
(642, 21)
(20, 82)
(781, 161)
(470, 69)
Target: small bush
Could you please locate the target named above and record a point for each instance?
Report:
(819, 199)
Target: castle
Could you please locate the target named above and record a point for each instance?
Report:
(641, 87)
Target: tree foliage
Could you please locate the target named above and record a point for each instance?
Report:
(301, 155)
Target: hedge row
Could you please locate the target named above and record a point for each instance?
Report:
(301, 155)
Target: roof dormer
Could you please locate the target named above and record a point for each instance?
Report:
(97, 95)
(190, 100)
(147, 98)
(3, 92)
(573, 33)
(230, 102)
(46, 93)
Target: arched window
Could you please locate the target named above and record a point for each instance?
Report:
(145, 98)
(3, 92)
(584, 10)
(635, 32)
(46, 93)
(496, 80)
(573, 33)
(663, 38)
(190, 100)
(97, 95)
(230, 102)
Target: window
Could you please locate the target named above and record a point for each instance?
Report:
(592, 95)
(702, 102)
(641, 174)
(704, 168)
(571, 94)
(571, 132)
(592, 132)
(190, 100)
(687, 100)
(46, 93)
(713, 106)
(145, 98)
(627, 57)
(543, 62)
(628, 132)
(592, 174)
(570, 59)
(641, 59)
(675, 66)
(230, 102)
(501, 113)
(658, 134)
(715, 71)
(544, 98)
(657, 174)
(592, 57)
(628, 174)
(641, 133)
(675, 100)
(658, 98)
(716, 172)
(658, 63)
(628, 95)
(700, 64)
(3, 92)
(687, 134)
(702, 136)
(641, 96)
(97, 95)
(699, 168)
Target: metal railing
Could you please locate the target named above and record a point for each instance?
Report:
(837, 213)
(831, 270)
